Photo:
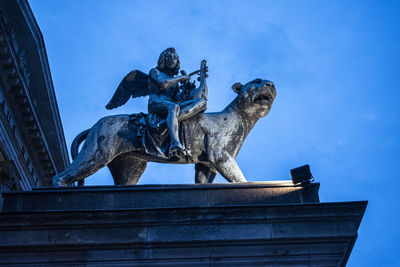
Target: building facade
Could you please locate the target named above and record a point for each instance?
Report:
(32, 142)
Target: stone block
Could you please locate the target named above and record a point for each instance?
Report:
(255, 224)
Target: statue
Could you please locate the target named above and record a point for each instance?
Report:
(166, 100)
(175, 131)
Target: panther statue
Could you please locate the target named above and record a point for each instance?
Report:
(215, 141)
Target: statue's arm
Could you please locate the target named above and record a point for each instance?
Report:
(164, 83)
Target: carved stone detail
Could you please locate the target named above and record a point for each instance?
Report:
(20, 52)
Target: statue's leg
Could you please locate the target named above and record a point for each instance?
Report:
(101, 145)
(173, 127)
(86, 163)
(211, 177)
(171, 110)
(203, 174)
(227, 166)
(126, 170)
(191, 108)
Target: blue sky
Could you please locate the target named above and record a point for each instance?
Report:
(335, 65)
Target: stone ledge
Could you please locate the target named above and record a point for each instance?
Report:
(262, 224)
(159, 196)
(315, 234)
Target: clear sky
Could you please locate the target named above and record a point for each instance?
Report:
(335, 65)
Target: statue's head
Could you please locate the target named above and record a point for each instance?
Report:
(255, 98)
(168, 62)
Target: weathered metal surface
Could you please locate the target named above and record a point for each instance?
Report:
(212, 140)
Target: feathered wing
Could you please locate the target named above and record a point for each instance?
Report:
(134, 84)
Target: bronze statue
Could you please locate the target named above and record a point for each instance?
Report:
(211, 141)
(167, 101)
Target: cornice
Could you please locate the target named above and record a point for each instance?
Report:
(17, 90)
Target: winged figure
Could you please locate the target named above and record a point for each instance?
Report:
(171, 98)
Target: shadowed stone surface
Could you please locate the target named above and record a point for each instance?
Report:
(273, 224)
(158, 196)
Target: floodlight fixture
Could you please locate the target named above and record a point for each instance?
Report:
(301, 175)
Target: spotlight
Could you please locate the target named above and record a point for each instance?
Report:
(301, 175)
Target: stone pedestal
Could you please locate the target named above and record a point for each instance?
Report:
(251, 224)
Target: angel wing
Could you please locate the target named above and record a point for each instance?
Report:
(134, 84)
